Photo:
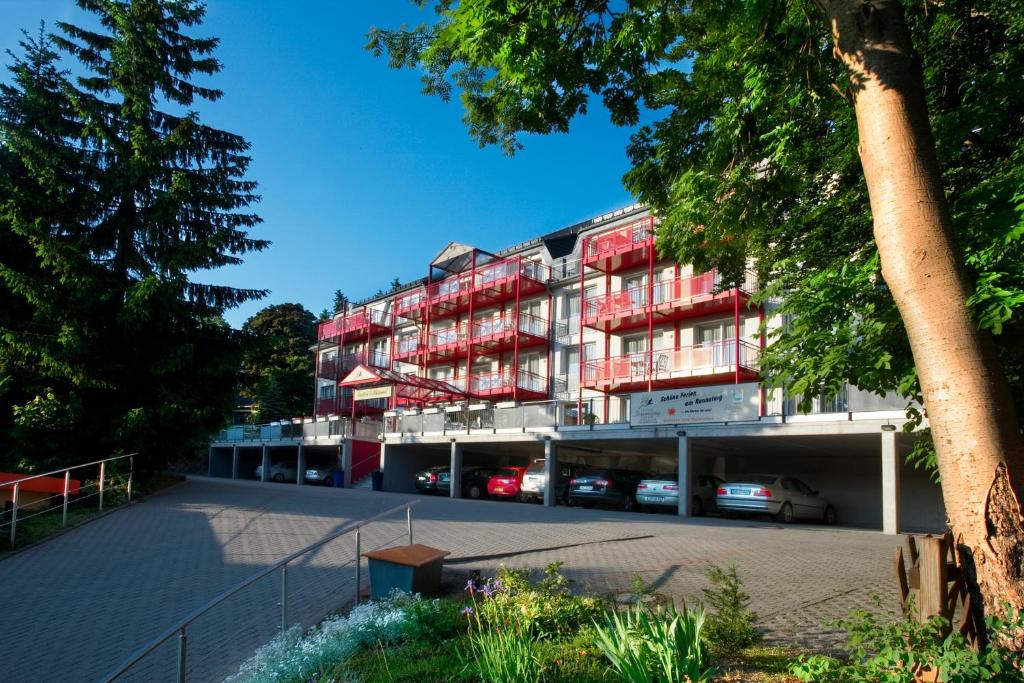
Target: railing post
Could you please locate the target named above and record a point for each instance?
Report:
(359, 568)
(14, 513)
(182, 654)
(131, 471)
(67, 493)
(284, 598)
(408, 520)
(103, 469)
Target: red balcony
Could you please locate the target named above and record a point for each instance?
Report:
(407, 348)
(356, 325)
(488, 285)
(626, 247)
(341, 404)
(676, 299)
(447, 344)
(339, 366)
(412, 305)
(707, 364)
(500, 333)
(499, 385)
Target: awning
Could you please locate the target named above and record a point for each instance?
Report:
(409, 387)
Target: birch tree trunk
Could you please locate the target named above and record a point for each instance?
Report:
(966, 396)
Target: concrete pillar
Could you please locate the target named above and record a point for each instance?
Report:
(346, 461)
(456, 475)
(685, 475)
(234, 462)
(300, 466)
(209, 464)
(266, 464)
(890, 484)
(550, 472)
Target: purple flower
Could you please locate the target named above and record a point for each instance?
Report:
(499, 586)
(471, 585)
(486, 590)
(467, 610)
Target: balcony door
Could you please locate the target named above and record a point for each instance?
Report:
(720, 341)
(637, 288)
(635, 348)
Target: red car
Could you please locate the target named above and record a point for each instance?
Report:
(506, 482)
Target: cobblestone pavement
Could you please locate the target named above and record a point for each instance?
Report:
(78, 605)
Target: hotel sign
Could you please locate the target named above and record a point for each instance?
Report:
(721, 403)
(372, 393)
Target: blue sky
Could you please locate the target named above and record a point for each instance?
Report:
(362, 177)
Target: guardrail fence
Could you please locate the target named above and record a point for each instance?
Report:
(101, 484)
(298, 590)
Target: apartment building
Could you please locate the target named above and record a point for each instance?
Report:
(585, 345)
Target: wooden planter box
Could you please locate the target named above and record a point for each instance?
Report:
(410, 568)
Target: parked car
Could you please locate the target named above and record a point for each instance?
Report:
(786, 498)
(475, 479)
(320, 475)
(662, 491)
(278, 471)
(606, 487)
(535, 480)
(434, 479)
(506, 482)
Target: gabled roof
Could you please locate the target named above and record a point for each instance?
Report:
(458, 257)
(406, 386)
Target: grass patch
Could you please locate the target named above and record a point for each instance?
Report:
(758, 664)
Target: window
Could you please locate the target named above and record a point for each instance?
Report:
(720, 337)
(571, 305)
(637, 288)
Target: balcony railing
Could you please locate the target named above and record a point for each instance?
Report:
(501, 383)
(505, 325)
(411, 301)
(301, 428)
(668, 365)
(673, 297)
(336, 367)
(406, 347)
(447, 337)
(358, 321)
(618, 242)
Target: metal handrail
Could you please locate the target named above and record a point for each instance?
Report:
(66, 469)
(282, 564)
(16, 489)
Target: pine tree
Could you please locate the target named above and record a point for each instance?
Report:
(122, 202)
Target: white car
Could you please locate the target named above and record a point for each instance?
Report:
(279, 471)
(785, 498)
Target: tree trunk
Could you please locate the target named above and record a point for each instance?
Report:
(966, 396)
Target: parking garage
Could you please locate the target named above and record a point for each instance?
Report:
(858, 466)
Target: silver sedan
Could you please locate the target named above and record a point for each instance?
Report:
(786, 498)
(662, 491)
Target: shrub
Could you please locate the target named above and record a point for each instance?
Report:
(542, 611)
(731, 626)
(898, 652)
(664, 646)
(297, 656)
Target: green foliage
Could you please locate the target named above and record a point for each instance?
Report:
(749, 151)
(884, 652)
(543, 611)
(109, 206)
(730, 626)
(665, 646)
(501, 655)
(277, 369)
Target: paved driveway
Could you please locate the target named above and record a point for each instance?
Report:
(76, 606)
